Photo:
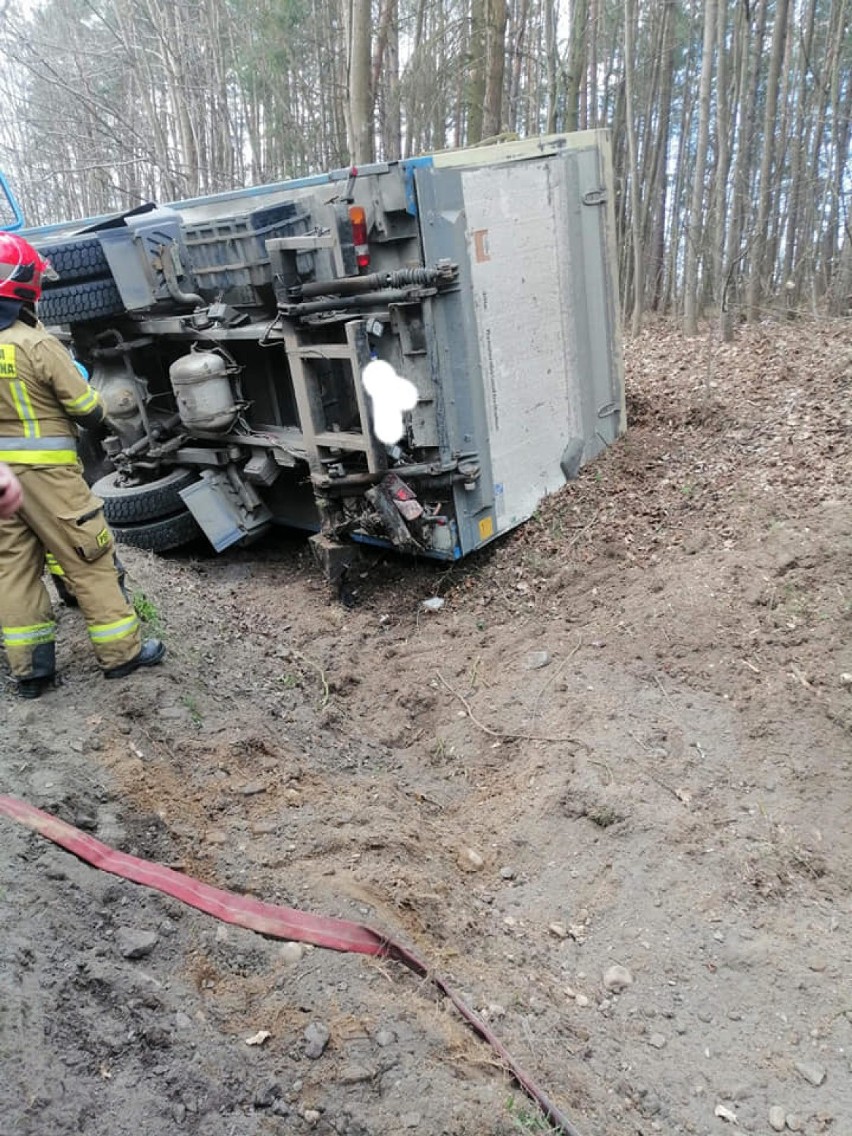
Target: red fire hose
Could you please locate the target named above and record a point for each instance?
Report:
(268, 919)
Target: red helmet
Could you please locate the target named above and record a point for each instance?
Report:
(21, 269)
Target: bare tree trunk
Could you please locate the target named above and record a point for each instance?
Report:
(520, 25)
(751, 50)
(361, 146)
(837, 145)
(759, 267)
(393, 104)
(385, 79)
(477, 73)
(635, 211)
(694, 216)
(576, 60)
(592, 82)
(840, 295)
(799, 145)
(497, 14)
(659, 178)
(440, 101)
(723, 146)
(551, 64)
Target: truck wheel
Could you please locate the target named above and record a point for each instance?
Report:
(79, 259)
(79, 303)
(128, 504)
(159, 536)
(91, 453)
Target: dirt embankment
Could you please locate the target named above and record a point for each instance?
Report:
(604, 791)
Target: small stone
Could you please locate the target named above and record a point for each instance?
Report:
(582, 1001)
(317, 1036)
(411, 1120)
(617, 978)
(135, 944)
(434, 603)
(356, 1074)
(507, 873)
(265, 828)
(794, 1122)
(253, 789)
(384, 1038)
(311, 1116)
(777, 1118)
(291, 953)
(559, 930)
(657, 1040)
(811, 1072)
(469, 860)
(267, 1096)
(535, 660)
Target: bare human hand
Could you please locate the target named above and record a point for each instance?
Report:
(11, 494)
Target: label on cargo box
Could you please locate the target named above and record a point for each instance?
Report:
(486, 528)
(481, 251)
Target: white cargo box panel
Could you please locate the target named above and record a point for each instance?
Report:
(537, 341)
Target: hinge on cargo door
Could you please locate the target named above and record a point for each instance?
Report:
(595, 196)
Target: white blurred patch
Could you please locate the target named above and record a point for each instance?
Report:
(391, 395)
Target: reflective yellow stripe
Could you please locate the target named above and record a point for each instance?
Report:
(110, 632)
(29, 636)
(39, 457)
(82, 405)
(53, 565)
(21, 399)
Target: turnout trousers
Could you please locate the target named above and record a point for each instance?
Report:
(60, 515)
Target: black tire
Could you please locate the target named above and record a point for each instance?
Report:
(81, 258)
(155, 500)
(159, 536)
(80, 303)
(91, 453)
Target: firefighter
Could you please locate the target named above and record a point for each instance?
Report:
(43, 398)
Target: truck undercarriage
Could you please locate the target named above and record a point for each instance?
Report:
(228, 338)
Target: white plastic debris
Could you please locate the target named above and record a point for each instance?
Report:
(725, 1114)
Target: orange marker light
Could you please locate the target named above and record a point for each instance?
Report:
(359, 235)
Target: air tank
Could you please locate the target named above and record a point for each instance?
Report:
(203, 391)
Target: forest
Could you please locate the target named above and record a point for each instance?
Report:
(729, 119)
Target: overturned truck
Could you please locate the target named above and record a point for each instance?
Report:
(228, 337)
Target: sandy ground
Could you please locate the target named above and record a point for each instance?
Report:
(604, 791)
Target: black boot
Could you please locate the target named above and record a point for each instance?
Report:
(34, 687)
(151, 653)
